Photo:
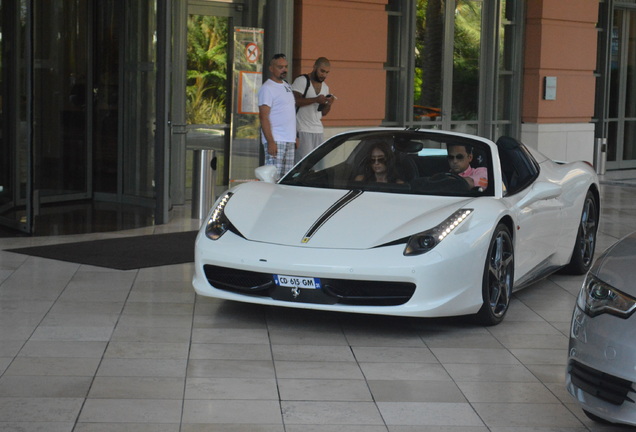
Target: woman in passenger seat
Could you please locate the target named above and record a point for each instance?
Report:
(379, 165)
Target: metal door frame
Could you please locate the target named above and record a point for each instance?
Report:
(603, 103)
(178, 128)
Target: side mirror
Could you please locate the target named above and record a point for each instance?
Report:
(541, 191)
(266, 173)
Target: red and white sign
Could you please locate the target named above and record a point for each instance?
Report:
(252, 52)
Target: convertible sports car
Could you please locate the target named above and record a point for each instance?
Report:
(601, 374)
(373, 222)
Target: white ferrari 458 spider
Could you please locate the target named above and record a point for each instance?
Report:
(417, 223)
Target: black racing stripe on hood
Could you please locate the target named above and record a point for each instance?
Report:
(346, 199)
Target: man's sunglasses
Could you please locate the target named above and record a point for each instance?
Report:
(379, 160)
(457, 156)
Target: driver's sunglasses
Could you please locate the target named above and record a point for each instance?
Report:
(459, 157)
(379, 160)
(278, 56)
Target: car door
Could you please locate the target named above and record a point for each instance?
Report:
(538, 208)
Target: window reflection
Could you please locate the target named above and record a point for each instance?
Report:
(467, 45)
(429, 51)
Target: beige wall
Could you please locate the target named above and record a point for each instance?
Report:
(560, 42)
(353, 36)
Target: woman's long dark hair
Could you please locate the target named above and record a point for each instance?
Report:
(389, 160)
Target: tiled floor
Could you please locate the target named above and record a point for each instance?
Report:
(88, 349)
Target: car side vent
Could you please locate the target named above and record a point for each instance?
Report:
(600, 384)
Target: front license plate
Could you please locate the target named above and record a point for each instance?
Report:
(297, 282)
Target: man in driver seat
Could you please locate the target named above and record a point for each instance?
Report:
(459, 158)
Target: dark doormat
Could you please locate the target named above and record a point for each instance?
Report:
(124, 253)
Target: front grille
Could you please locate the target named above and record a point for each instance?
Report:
(600, 384)
(237, 280)
(369, 292)
(344, 291)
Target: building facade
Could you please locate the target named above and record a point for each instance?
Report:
(106, 103)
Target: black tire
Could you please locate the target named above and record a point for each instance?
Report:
(498, 278)
(585, 243)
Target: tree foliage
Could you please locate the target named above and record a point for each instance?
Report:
(429, 55)
(206, 88)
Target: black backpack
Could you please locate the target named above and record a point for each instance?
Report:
(306, 88)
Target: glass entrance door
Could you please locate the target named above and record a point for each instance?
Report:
(45, 76)
(209, 81)
(60, 80)
(78, 131)
(14, 154)
(621, 119)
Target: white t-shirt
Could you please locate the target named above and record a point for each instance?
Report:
(282, 116)
(308, 118)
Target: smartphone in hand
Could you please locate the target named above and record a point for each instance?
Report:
(322, 106)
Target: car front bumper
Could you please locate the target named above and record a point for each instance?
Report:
(447, 280)
(602, 366)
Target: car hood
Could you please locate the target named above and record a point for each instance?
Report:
(616, 266)
(333, 218)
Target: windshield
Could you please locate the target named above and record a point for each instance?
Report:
(409, 162)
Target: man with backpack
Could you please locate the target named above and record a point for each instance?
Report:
(313, 101)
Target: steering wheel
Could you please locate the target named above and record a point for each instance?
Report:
(450, 177)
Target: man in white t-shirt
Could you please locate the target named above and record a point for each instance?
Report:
(277, 113)
(314, 102)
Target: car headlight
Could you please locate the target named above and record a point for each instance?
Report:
(218, 223)
(427, 240)
(596, 298)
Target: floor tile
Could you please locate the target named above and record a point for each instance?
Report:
(474, 355)
(429, 414)
(45, 348)
(318, 370)
(415, 391)
(31, 426)
(394, 355)
(232, 411)
(312, 353)
(147, 350)
(461, 372)
(230, 351)
(137, 387)
(331, 413)
(231, 368)
(53, 366)
(177, 335)
(526, 415)
(44, 386)
(39, 409)
(404, 371)
(507, 392)
(230, 335)
(126, 427)
(231, 388)
(131, 411)
(324, 390)
(142, 367)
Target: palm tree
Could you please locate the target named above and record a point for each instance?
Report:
(206, 89)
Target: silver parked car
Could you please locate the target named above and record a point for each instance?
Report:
(601, 371)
